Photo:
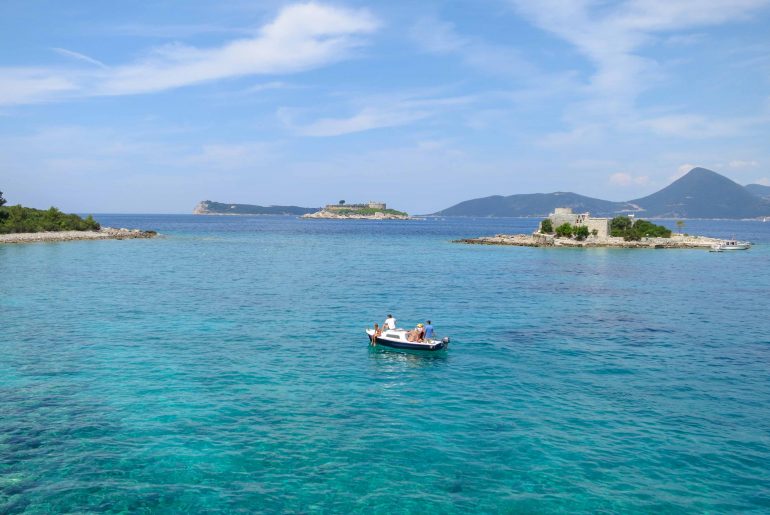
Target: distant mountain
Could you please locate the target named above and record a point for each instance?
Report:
(207, 207)
(758, 190)
(535, 204)
(700, 193)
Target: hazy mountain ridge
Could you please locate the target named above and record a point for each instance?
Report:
(701, 193)
(759, 190)
(535, 204)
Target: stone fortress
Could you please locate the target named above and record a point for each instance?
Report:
(562, 215)
(368, 205)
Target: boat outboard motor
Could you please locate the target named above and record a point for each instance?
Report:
(445, 339)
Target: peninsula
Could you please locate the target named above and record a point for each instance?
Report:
(563, 228)
(209, 207)
(20, 224)
(368, 211)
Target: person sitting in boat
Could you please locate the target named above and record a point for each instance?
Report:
(377, 332)
(389, 324)
(416, 334)
(429, 332)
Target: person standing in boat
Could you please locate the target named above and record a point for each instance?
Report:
(389, 324)
(429, 332)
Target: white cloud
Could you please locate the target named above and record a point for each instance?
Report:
(626, 179)
(611, 36)
(80, 57)
(699, 127)
(227, 156)
(372, 114)
(26, 85)
(742, 164)
(440, 37)
(366, 119)
(301, 37)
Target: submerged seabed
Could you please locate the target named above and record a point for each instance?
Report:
(225, 368)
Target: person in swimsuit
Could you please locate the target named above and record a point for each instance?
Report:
(416, 334)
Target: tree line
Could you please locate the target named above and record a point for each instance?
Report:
(16, 219)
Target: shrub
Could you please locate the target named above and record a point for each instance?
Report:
(620, 225)
(581, 232)
(16, 219)
(650, 230)
(546, 227)
(564, 230)
(636, 230)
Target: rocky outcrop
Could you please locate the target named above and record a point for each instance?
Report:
(676, 241)
(105, 233)
(201, 208)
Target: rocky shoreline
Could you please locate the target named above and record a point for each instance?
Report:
(375, 216)
(105, 233)
(676, 241)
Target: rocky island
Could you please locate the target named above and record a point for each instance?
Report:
(563, 228)
(368, 211)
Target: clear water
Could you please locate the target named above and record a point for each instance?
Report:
(224, 368)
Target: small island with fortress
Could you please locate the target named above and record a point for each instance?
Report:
(563, 228)
(368, 211)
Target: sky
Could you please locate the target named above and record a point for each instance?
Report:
(151, 107)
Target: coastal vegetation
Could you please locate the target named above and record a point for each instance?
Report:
(19, 219)
(630, 230)
(565, 230)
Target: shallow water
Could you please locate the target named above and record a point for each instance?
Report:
(224, 367)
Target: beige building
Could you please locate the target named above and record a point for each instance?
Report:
(562, 215)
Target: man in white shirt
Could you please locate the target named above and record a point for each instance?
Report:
(390, 323)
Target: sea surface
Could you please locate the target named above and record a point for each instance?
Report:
(224, 368)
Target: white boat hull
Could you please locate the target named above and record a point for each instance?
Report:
(398, 339)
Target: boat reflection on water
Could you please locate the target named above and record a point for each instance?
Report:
(407, 356)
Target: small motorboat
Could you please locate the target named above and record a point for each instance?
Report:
(734, 245)
(397, 338)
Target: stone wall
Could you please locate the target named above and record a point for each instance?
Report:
(564, 215)
(368, 205)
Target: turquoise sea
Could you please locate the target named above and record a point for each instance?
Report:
(224, 368)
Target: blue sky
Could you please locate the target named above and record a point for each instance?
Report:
(151, 107)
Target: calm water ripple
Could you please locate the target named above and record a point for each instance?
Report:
(224, 368)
